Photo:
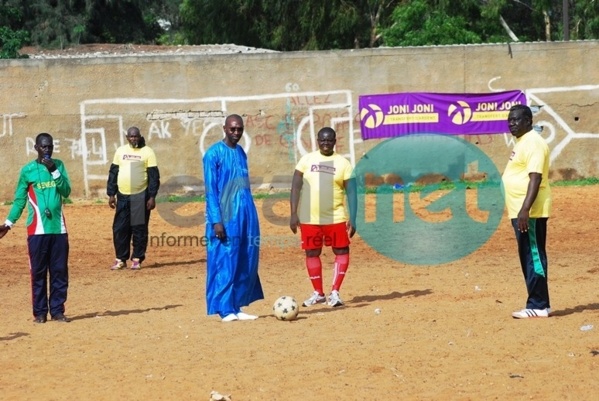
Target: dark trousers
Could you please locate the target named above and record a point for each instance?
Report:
(130, 224)
(533, 259)
(48, 253)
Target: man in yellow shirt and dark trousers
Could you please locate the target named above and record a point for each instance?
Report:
(528, 200)
(133, 182)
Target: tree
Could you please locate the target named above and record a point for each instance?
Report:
(54, 23)
(286, 24)
(585, 19)
(12, 38)
(125, 21)
(529, 20)
(422, 22)
(59, 23)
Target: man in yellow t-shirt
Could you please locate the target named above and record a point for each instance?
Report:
(133, 182)
(321, 181)
(528, 201)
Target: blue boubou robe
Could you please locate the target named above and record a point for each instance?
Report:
(232, 265)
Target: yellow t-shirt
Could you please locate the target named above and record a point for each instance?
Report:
(530, 155)
(133, 168)
(323, 192)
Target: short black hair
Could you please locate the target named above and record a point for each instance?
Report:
(525, 110)
(327, 130)
(39, 137)
(135, 130)
(233, 116)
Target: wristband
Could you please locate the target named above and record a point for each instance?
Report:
(55, 174)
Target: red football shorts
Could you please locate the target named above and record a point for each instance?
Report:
(316, 236)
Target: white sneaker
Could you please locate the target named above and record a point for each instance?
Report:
(230, 317)
(245, 316)
(316, 298)
(334, 299)
(530, 313)
(118, 265)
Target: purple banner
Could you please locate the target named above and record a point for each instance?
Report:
(395, 114)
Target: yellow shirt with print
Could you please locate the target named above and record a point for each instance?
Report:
(133, 168)
(322, 200)
(530, 155)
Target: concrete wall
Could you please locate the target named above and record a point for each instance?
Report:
(179, 103)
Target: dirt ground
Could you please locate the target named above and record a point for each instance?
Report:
(443, 332)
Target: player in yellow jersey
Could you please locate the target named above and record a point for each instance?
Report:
(321, 181)
(133, 182)
(528, 200)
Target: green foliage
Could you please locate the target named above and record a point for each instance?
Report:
(61, 23)
(417, 24)
(276, 195)
(11, 42)
(122, 22)
(286, 25)
(12, 38)
(438, 22)
(579, 182)
(172, 39)
(585, 21)
(180, 198)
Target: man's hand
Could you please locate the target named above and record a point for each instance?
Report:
(294, 222)
(3, 230)
(351, 229)
(112, 202)
(219, 231)
(151, 204)
(523, 220)
(49, 163)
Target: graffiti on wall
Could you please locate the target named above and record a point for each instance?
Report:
(288, 120)
(544, 113)
(7, 123)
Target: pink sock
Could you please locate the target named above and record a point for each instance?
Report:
(315, 272)
(339, 270)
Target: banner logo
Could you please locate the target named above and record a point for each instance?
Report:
(460, 113)
(372, 116)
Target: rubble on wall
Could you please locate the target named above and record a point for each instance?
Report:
(125, 50)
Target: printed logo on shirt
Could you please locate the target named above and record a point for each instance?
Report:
(47, 184)
(131, 157)
(321, 168)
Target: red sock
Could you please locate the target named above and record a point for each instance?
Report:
(341, 265)
(315, 272)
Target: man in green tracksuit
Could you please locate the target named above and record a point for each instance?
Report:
(43, 183)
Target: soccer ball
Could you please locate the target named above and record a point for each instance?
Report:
(285, 308)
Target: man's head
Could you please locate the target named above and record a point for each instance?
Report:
(44, 145)
(134, 137)
(326, 141)
(519, 120)
(233, 129)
